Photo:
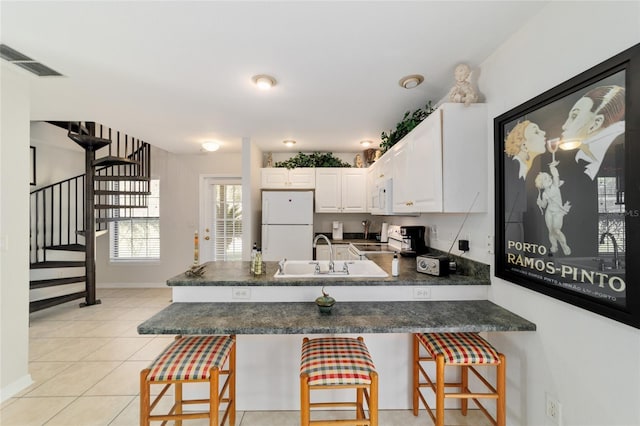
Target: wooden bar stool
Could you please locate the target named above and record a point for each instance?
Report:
(467, 351)
(191, 359)
(338, 363)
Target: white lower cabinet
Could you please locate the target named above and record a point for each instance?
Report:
(340, 252)
(341, 190)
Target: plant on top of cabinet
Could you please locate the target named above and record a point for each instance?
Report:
(316, 159)
(408, 122)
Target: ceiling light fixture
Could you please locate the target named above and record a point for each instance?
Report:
(210, 146)
(263, 81)
(289, 142)
(411, 81)
(366, 144)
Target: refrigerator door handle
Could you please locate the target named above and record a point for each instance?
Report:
(265, 240)
(265, 211)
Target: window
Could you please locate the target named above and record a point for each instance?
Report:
(611, 216)
(227, 219)
(136, 234)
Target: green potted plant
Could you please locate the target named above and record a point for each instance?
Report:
(316, 159)
(408, 122)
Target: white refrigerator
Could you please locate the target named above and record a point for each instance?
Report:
(287, 225)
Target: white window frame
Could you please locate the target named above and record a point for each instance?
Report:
(150, 213)
(208, 221)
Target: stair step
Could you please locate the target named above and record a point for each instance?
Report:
(38, 305)
(98, 233)
(58, 264)
(122, 178)
(106, 192)
(111, 160)
(89, 142)
(56, 281)
(110, 219)
(118, 206)
(67, 247)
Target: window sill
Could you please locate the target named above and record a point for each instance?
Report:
(134, 262)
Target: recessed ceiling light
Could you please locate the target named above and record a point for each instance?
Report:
(366, 144)
(411, 81)
(211, 146)
(289, 142)
(263, 81)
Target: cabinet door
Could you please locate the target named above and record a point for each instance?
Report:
(464, 158)
(425, 165)
(302, 178)
(402, 201)
(341, 252)
(373, 204)
(354, 190)
(274, 178)
(322, 252)
(328, 190)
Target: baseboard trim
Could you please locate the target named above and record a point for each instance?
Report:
(131, 285)
(15, 387)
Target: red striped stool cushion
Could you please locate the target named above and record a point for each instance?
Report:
(190, 358)
(336, 361)
(460, 348)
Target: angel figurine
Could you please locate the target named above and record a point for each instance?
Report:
(463, 91)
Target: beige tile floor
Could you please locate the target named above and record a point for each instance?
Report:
(85, 365)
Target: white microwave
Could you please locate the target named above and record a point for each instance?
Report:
(382, 197)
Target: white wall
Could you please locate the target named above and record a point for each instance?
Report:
(591, 364)
(14, 231)
(251, 196)
(179, 216)
(57, 157)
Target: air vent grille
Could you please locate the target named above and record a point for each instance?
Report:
(26, 62)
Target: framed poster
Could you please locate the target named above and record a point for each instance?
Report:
(568, 190)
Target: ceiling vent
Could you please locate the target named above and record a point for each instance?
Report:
(26, 62)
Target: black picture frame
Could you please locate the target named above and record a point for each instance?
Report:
(565, 225)
(33, 165)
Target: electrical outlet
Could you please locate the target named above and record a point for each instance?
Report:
(421, 293)
(490, 244)
(241, 293)
(553, 409)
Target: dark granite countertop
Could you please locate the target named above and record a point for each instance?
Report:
(238, 274)
(345, 317)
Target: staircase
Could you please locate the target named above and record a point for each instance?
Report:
(67, 216)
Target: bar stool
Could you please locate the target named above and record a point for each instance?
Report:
(192, 359)
(338, 363)
(467, 351)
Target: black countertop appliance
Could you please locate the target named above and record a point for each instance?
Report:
(413, 241)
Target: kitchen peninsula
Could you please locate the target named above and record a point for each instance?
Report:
(270, 316)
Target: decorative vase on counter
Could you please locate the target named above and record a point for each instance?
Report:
(325, 302)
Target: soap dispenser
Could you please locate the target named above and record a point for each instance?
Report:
(395, 265)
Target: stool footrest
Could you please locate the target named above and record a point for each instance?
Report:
(465, 351)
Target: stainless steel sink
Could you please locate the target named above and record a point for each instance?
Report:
(320, 269)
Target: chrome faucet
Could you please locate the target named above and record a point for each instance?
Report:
(616, 261)
(281, 265)
(315, 243)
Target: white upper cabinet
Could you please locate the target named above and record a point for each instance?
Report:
(282, 178)
(341, 190)
(441, 165)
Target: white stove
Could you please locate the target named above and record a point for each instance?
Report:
(395, 244)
